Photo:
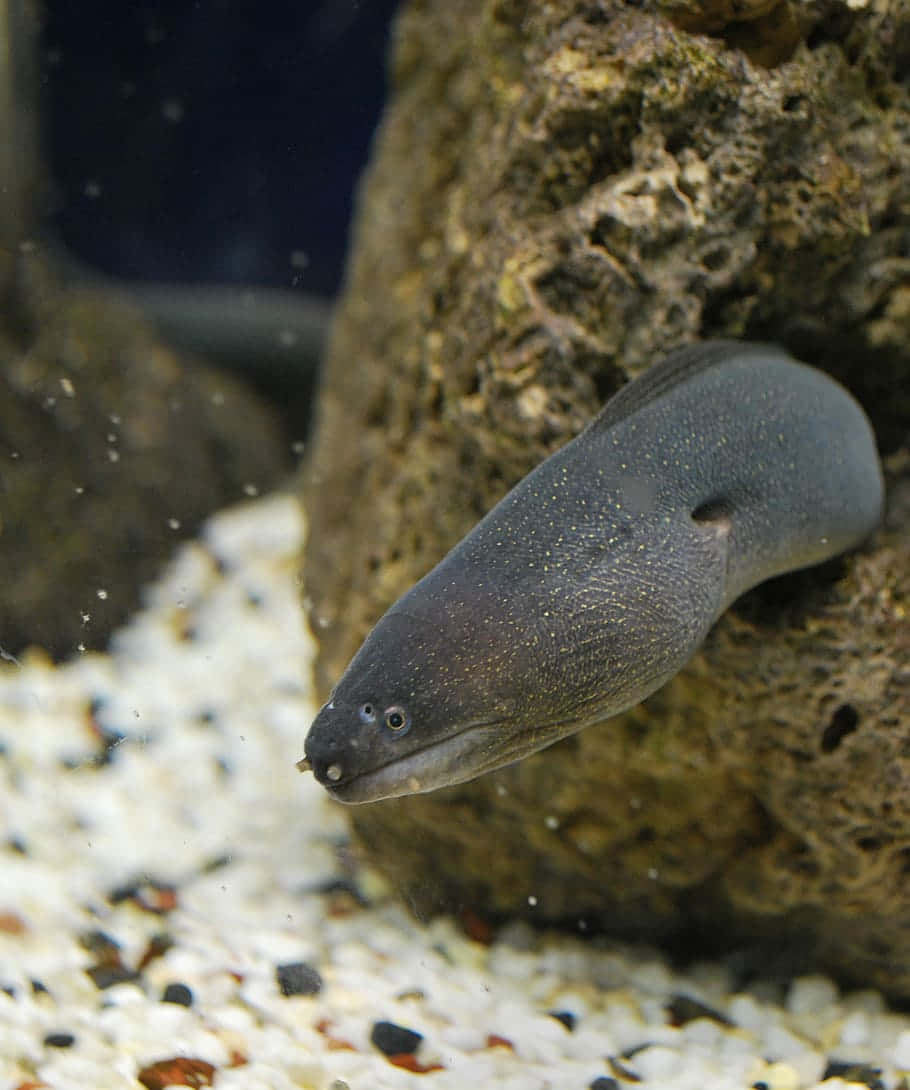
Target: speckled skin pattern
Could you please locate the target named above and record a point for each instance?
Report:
(596, 578)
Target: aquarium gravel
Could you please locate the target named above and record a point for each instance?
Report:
(179, 907)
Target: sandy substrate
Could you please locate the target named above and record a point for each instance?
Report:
(177, 907)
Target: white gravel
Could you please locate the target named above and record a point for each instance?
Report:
(156, 834)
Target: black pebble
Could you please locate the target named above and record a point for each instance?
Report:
(852, 1071)
(106, 976)
(179, 994)
(343, 885)
(683, 1009)
(298, 978)
(603, 1082)
(116, 896)
(567, 1018)
(100, 943)
(60, 1040)
(393, 1040)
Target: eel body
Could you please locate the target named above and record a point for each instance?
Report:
(596, 578)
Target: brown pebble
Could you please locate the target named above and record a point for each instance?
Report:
(12, 924)
(177, 1071)
(409, 1062)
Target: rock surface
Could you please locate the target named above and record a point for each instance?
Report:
(112, 449)
(558, 197)
(20, 176)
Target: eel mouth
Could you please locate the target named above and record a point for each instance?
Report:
(474, 749)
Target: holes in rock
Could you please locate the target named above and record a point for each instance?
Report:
(883, 950)
(605, 232)
(473, 383)
(844, 721)
(561, 286)
(803, 864)
(435, 402)
(583, 149)
(439, 303)
(834, 27)
(716, 258)
(377, 410)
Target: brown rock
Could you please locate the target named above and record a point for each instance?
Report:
(112, 449)
(560, 194)
(20, 176)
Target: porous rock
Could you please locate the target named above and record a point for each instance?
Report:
(561, 193)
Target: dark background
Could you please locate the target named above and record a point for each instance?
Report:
(211, 141)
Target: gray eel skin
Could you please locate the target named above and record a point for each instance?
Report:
(596, 578)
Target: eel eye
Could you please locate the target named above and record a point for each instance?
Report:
(396, 718)
(367, 713)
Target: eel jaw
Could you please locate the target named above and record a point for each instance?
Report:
(473, 750)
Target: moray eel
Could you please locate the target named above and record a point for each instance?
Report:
(596, 578)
